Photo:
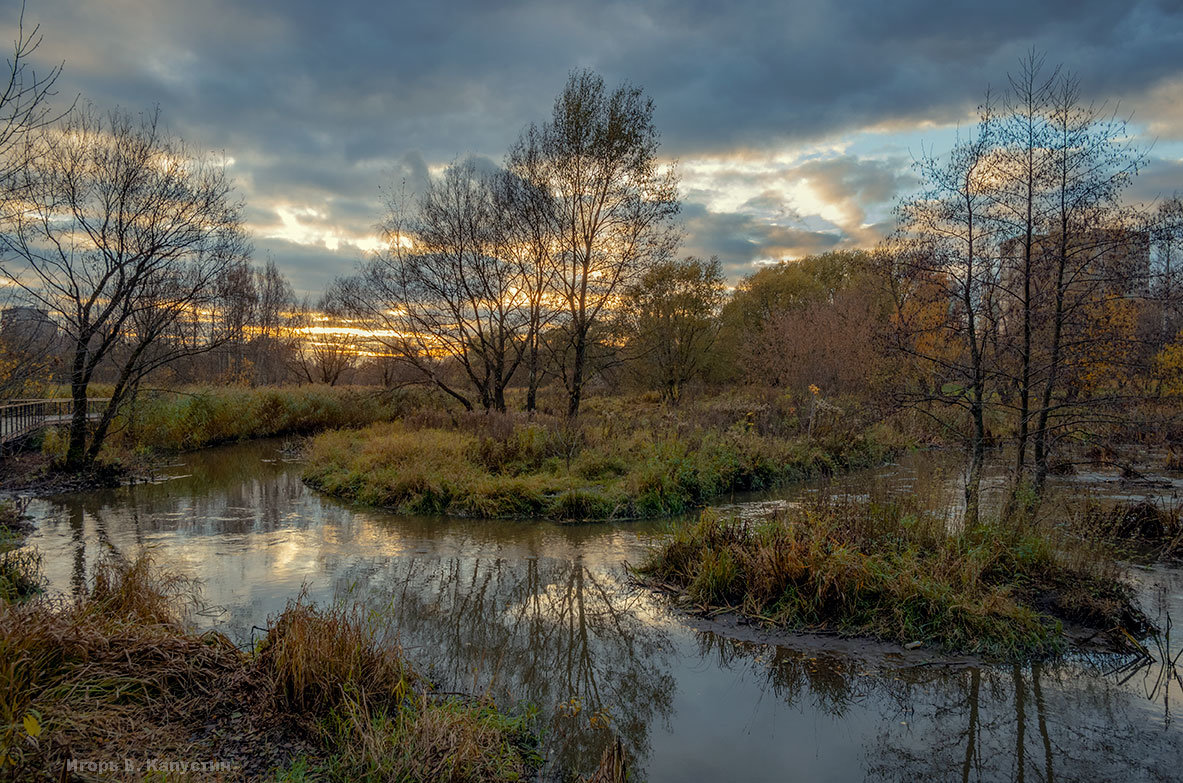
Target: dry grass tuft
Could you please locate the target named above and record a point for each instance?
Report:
(119, 673)
(316, 658)
(1145, 530)
(339, 670)
(137, 591)
(112, 670)
(20, 574)
(890, 571)
(452, 741)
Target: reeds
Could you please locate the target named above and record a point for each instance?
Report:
(341, 674)
(315, 659)
(112, 669)
(20, 574)
(1143, 530)
(890, 571)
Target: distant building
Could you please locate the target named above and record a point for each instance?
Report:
(27, 327)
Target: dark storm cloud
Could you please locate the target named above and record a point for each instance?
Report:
(322, 103)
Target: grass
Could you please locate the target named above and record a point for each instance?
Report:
(119, 673)
(193, 418)
(20, 573)
(1143, 530)
(626, 462)
(20, 569)
(113, 670)
(205, 417)
(354, 691)
(892, 572)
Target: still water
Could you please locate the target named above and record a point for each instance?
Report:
(544, 614)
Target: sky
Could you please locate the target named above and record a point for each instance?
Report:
(793, 125)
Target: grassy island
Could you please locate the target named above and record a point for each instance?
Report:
(630, 463)
(891, 572)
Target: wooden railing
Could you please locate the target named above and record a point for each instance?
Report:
(20, 418)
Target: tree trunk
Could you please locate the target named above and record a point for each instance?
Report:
(973, 483)
(1025, 364)
(1041, 449)
(532, 384)
(576, 390)
(76, 451)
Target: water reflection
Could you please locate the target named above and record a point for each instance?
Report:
(1022, 724)
(552, 632)
(543, 614)
(969, 723)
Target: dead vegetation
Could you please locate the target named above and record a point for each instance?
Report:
(1145, 530)
(891, 571)
(118, 673)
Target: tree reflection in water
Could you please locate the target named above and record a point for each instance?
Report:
(548, 632)
(540, 614)
(971, 723)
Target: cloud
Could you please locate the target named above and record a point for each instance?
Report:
(743, 242)
(1162, 109)
(1160, 179)
(310, 267)
(804, 104)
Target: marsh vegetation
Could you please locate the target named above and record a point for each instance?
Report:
(625, 459)
(525, 344)
(890, 570)
(326, 694)
(544, 621)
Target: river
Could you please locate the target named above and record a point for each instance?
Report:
(543, 614)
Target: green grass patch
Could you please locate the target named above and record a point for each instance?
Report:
(612, 467)
(888, 571)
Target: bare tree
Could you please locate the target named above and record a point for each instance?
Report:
(446, 293)
(1021, 171)
(275, 303)
(1048, 304)
(945, 282)
(240, 301)
(26, 350)
(1166, 230)
(613, 206)
(24, 102)
(324, 347)
(122, 233)
(1097, 252)
(529, 231)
